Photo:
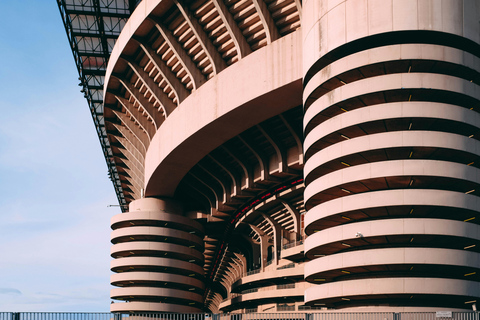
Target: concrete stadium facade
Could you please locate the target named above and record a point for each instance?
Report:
(286, 156)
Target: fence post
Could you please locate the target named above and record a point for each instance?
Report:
(15, 316)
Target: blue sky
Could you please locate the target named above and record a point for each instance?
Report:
(54, 189)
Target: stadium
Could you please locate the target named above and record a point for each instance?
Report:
(274, 155)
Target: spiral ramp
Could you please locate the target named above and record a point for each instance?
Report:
(392, 129)
(158, 259)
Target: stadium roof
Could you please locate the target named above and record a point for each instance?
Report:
(92, 28)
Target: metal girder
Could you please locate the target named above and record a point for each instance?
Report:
(105, 14)
(96, 24)
(101, 29)
(92, 35)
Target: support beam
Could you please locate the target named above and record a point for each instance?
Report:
(157, 92)
(271, 30)
(296, 137)
(279, 150)
(134, 175)
(298, 3)
(148, 107)
(263, 245)
(277, 241)
(295, 215)
(241, 44)
(210, 202)
(261, 157)
(225, 187)
(246, 171)
(135, 185)
(216, 194)
(229, 276)
(235, 183)
(132, 150)
(140, 135)
(255, 248)
(190, 67)
(132, 179)
(138, 117)
(263, 163)
(171, 78)
(218, 64)
(239, 262)
(135, 168)
(242, 262)
(130, 137)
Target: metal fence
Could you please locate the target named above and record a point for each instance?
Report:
(57, 316)
(292, 244)
(354, 316)
(251, 315)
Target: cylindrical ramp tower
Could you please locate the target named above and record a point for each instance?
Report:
(158, 259)
(392, 148)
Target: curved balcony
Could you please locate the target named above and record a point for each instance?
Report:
(396, 292)
(433, 233)
(155, 279)
(412, 262)
(262, 297)
(266, 278)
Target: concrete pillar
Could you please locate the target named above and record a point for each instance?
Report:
(391, 99)
(158, 259)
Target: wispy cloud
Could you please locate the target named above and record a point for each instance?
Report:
(10, 291)
(66, 269)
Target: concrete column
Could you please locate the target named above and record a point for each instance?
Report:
(391, 99)
(158, 259)
(277, 240)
